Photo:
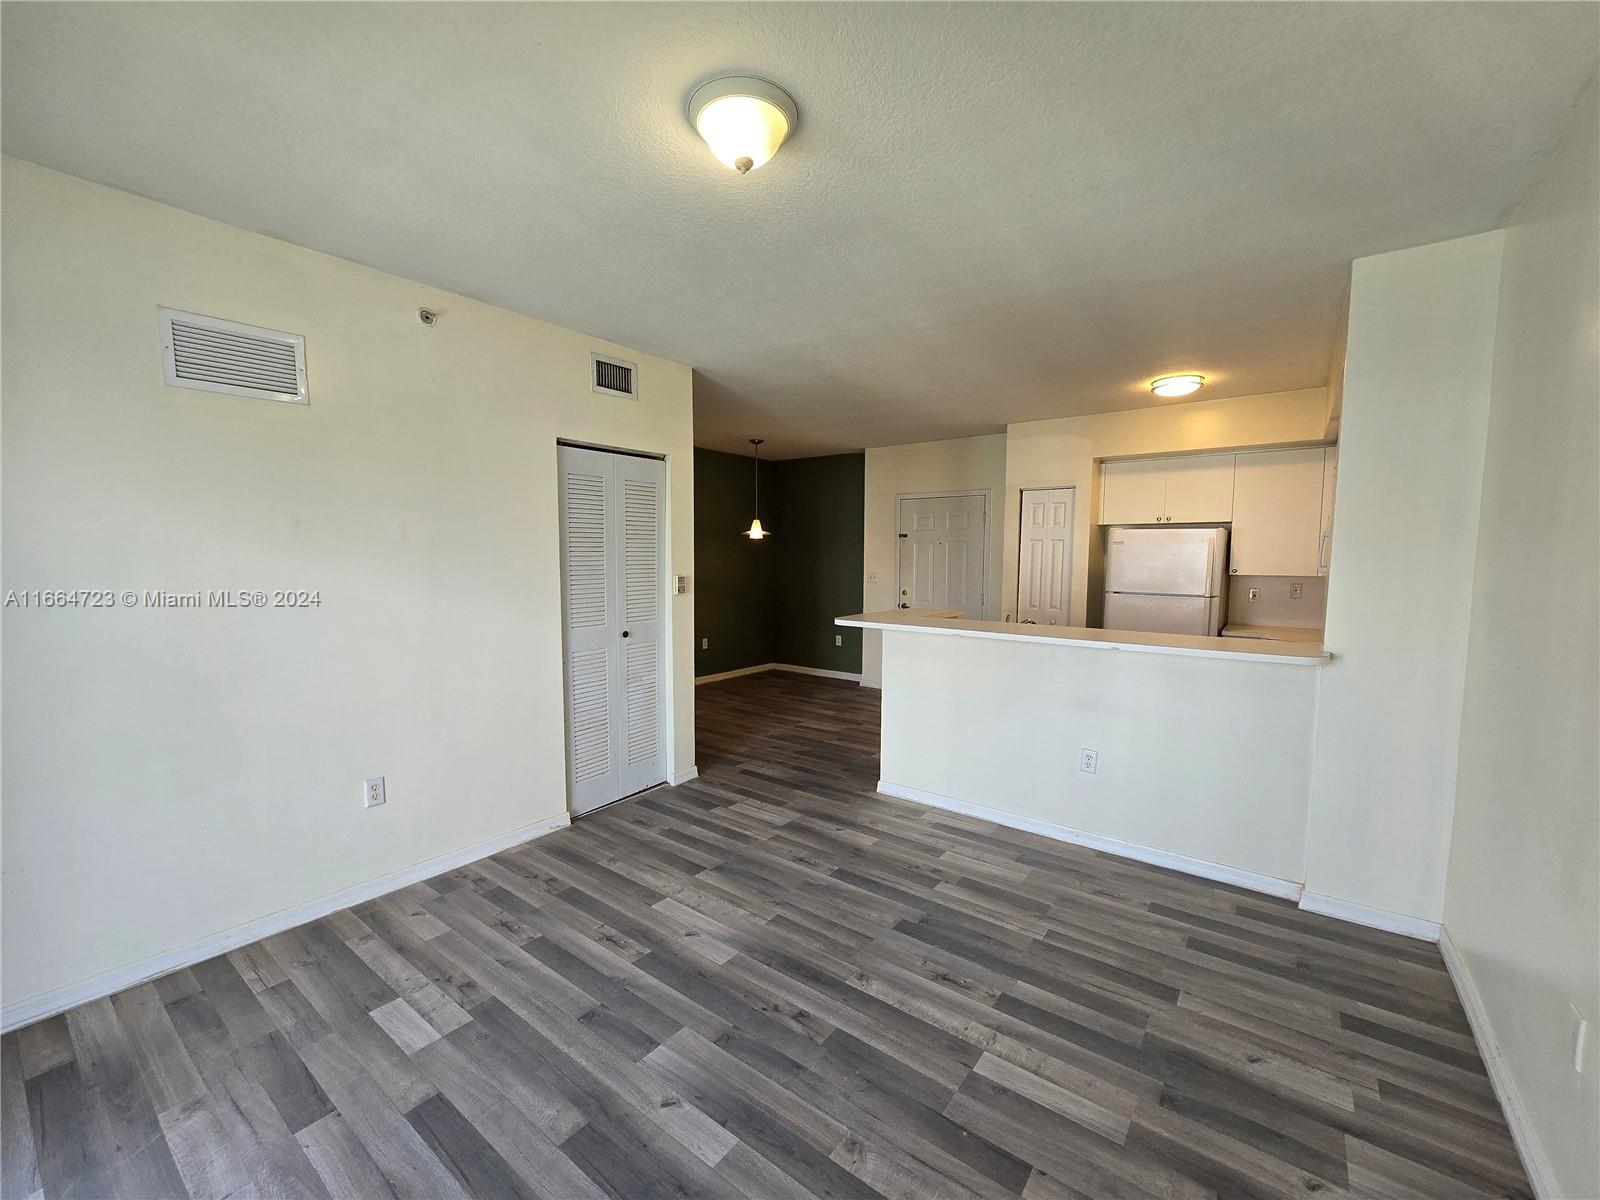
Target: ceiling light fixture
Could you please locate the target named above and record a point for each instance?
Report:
(1178, 385)
(755, 533)
(743, 119)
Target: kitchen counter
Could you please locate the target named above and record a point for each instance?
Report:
(950, 623)
(1273, 633)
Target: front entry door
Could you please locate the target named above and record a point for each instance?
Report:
(612, 602)
(942, 560)
(1044, 564)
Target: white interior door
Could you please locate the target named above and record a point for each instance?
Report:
(1044, 566)
(612, 591)
(942, 560)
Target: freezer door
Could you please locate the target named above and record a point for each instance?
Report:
(1200, 615)
(1176, 562)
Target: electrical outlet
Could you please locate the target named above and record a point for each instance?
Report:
(872, 577)
(705, 643)
(1580, 1036)
(838, 639)
(372, 792)
(1255, 594)
(1296, 590)
(1088, 761)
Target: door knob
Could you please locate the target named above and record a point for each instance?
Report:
(624, 633)
(903, 604)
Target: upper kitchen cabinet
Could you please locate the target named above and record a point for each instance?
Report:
(1200, 489)
(1167, 491)
(1278, 513)
(1134, 492)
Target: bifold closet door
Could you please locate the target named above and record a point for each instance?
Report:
(613, 594)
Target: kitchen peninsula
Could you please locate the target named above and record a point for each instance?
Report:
(1189, 752)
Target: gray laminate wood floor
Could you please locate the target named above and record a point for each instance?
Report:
(773, 983)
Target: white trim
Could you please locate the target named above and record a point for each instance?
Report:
(1372, 918)
(1523, 1134)
(852, 676)
(875, 684)
(683, 776)
(57, 1000)
(1255, 881)
(721, 675)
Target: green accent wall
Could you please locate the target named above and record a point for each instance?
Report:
(735, 584)
(820, 519)
(775, 600)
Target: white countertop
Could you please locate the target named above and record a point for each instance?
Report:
(1274, 633)
(950, 623)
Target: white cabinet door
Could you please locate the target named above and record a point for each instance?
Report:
(1133, 492)
(1044, 566)
(612, 599)
(1200, 490)
(1277, 512)
(1330, 485)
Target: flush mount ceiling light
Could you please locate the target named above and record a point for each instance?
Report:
(1178, 385)
(755, 533)
(743, 119)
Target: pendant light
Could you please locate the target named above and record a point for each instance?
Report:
(755, 533)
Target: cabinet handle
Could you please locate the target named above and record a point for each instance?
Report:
(1322, 549)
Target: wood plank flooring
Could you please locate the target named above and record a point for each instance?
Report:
(773, 983)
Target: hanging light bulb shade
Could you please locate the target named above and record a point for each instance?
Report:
(755, 533)
(743, 119)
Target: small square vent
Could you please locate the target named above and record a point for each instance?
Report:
(211, 355)
(613, 377)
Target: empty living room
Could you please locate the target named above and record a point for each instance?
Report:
(772, 600)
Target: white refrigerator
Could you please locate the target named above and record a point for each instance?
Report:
(1167, 580)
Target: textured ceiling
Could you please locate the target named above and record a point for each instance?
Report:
(989, 213)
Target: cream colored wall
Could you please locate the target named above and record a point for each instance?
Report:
(1522, 898)
(1063, 453)
(1202, 757)
(170, 774)
(1416, 395)
(956, 465)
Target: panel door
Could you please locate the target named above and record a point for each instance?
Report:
(1200, 489)
(1277, 512)
(1044, 563)
(942, 553)
(612, 601)
(1134, 492)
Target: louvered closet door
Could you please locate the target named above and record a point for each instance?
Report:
(612, 598)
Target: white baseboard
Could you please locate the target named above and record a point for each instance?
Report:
(683, 776)
(721, 675)
(48, 1004)
(1255, 881)
(1526, 1138)
(1372, 918)
(852, 676)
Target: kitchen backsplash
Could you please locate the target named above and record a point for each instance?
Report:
(1276, 605)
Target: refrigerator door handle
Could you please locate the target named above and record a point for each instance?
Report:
(1211, 554)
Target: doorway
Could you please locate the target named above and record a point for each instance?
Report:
(1044, 556)
(943, 559)
(613, 608)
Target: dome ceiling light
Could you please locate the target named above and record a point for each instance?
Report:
(1178, 385)
(743, 119)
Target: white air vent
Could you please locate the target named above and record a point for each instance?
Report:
(224, 356)
(613, 376)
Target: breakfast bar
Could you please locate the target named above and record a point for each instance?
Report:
(1191, 752)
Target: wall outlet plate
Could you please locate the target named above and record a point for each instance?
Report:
(872, 577)
(1088, 761)
(838, 639)
(705, 643)
(1255, 594)
(1296, 590)
(372, 792)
